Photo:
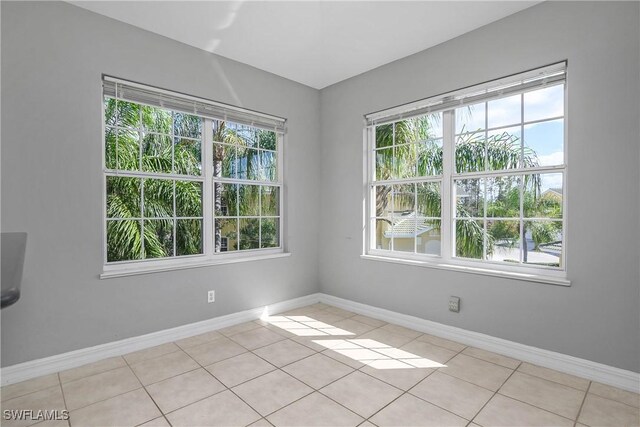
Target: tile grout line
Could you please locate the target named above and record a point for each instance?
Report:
(492, 396)
(64, 400)
(582, 404)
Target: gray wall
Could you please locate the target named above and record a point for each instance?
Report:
(53, 55)
(598, 317)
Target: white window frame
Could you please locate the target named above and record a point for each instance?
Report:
(447, 259)
(209, 256)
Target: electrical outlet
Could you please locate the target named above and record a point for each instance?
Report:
(211, 296)
(454, 304)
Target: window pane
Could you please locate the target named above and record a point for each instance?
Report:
(384, 206)
(127, 114)
(158, 238)
(110, 148)
(429, 155)
(242, 135)
(219, 131)
(504, 111)
(226, 229)
(503, 149)
(469, 198)
(503, 197)
(267, 140)
(544, 103)
(270, 201)
(128, 149)
(469, 238)
(544, 143)
(268, 166)
(384, 163)
(123, 197)
(429, 199)
(544, 243)
(383, 233)
(188, 199)
(270, 232)
(187, 156)
(188, 236)
(405, 161)
(384, 135)
(249, 200)
(187, 125)
(158, 198)
(470, 118)
(404, 198)
(225, 199)
(403, 232)
(428, 237)
(224, 161)
(156, 153)
(433, 125)
(543, 195)
(157, 120)
(124, 242)
(503, 241)
(470, 152)
(109, 111)
(248, 163)
(249, 233)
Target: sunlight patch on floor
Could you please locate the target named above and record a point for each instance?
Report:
(304, 326)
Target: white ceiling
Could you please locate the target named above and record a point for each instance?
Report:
(316, 43)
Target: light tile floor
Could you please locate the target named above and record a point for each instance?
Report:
(319, 366)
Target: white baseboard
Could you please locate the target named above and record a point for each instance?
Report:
(48, 365)
(605, 374)
(627, 380)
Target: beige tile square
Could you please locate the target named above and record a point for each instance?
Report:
(368, 320)
(314, 410)
(54, 423)
(92, 368)
(489, 356)
(476, 371)
(222, 409)
(401, 330)
(302, 311)
(212, 352)
(260, 423)
(239, 369)
(318, 370)
(47, 399)
(129, 409)
(176, 392)
(271, 391)
(284, 352)
(338, 312)
(442, 342)
(401, 377)
(384, 336)
(319, 306)
(555, 376)
(598, 411)
(150, 353)
(198, 339)
(614, 393)
(88, 390)
(367, 424)
(347, 360)
(408, 410)
(361, 393)
(504, 411)
(256, 338)
(557, 398)
(429, 351)
(353, 326)
(236, 329)
(163, 367)
(25, 387)
(312, 342)
(158, 422)
(455, 395)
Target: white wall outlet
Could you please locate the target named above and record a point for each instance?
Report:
(454, 304)
(211, 296)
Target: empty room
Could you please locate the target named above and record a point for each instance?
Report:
(320, 213)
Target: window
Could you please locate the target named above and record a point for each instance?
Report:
(187, 179)
(474, 178)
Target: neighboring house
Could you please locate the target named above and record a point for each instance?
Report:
(554, 193)
(406, 229)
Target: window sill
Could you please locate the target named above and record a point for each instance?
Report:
(112, 271)
(528, 277)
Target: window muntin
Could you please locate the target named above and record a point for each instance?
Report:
(158, 202)
(502, 175)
